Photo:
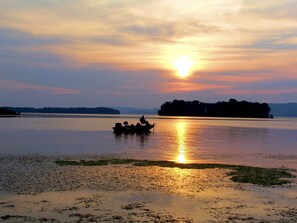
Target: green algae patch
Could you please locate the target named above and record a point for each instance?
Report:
(260, 176)
(240, 174)
(171, 164)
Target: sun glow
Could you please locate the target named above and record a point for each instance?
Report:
(183, 67)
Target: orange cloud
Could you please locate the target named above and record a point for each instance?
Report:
(169, 87)
(145, 35)
(240, 76)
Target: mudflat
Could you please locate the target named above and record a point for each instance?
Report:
(38, 189)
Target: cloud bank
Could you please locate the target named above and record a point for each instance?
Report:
(98, 49)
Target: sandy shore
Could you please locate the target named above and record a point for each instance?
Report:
(35, 189)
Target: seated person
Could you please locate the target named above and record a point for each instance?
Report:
(142, 120)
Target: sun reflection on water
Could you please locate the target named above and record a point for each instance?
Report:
(181, 138)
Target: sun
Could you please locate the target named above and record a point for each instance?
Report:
(183, 67)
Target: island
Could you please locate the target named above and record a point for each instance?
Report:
(232, 108)
(75, 110)
(7, 112)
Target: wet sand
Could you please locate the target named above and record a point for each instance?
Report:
(35, 189)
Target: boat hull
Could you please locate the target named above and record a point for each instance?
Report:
(136, 129)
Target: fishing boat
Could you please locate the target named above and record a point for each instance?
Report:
(120, 128)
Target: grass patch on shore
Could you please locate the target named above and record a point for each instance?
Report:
(260, 176)
(241, 174)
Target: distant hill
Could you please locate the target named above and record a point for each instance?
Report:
(77, 110)
(7, 112)
(232, 108)
(132, 110)
(284, 110)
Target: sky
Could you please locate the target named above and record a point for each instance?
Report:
(141, 53)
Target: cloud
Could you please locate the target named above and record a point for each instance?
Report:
(269, 92)
(107, 39)
(13, 37)
(237, 77)
(132, 33)
(289, 41)
(286, 42)
(268, 88)
(232, 43)
(17, 86)
(179, 86)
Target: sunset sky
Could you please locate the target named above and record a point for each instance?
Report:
(143, 53)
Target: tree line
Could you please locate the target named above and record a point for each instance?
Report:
(232, 108)
(8, 112)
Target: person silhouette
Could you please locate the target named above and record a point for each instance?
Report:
(142, 120)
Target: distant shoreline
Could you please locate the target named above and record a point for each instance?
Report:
(65, 110)
(280, 110)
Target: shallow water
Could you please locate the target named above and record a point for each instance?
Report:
(262, 142)
(133, 206)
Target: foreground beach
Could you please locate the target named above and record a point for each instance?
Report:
(37, 189)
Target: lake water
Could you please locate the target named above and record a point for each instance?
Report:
(261, 142)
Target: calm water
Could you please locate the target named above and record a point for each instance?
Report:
(265, 142)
